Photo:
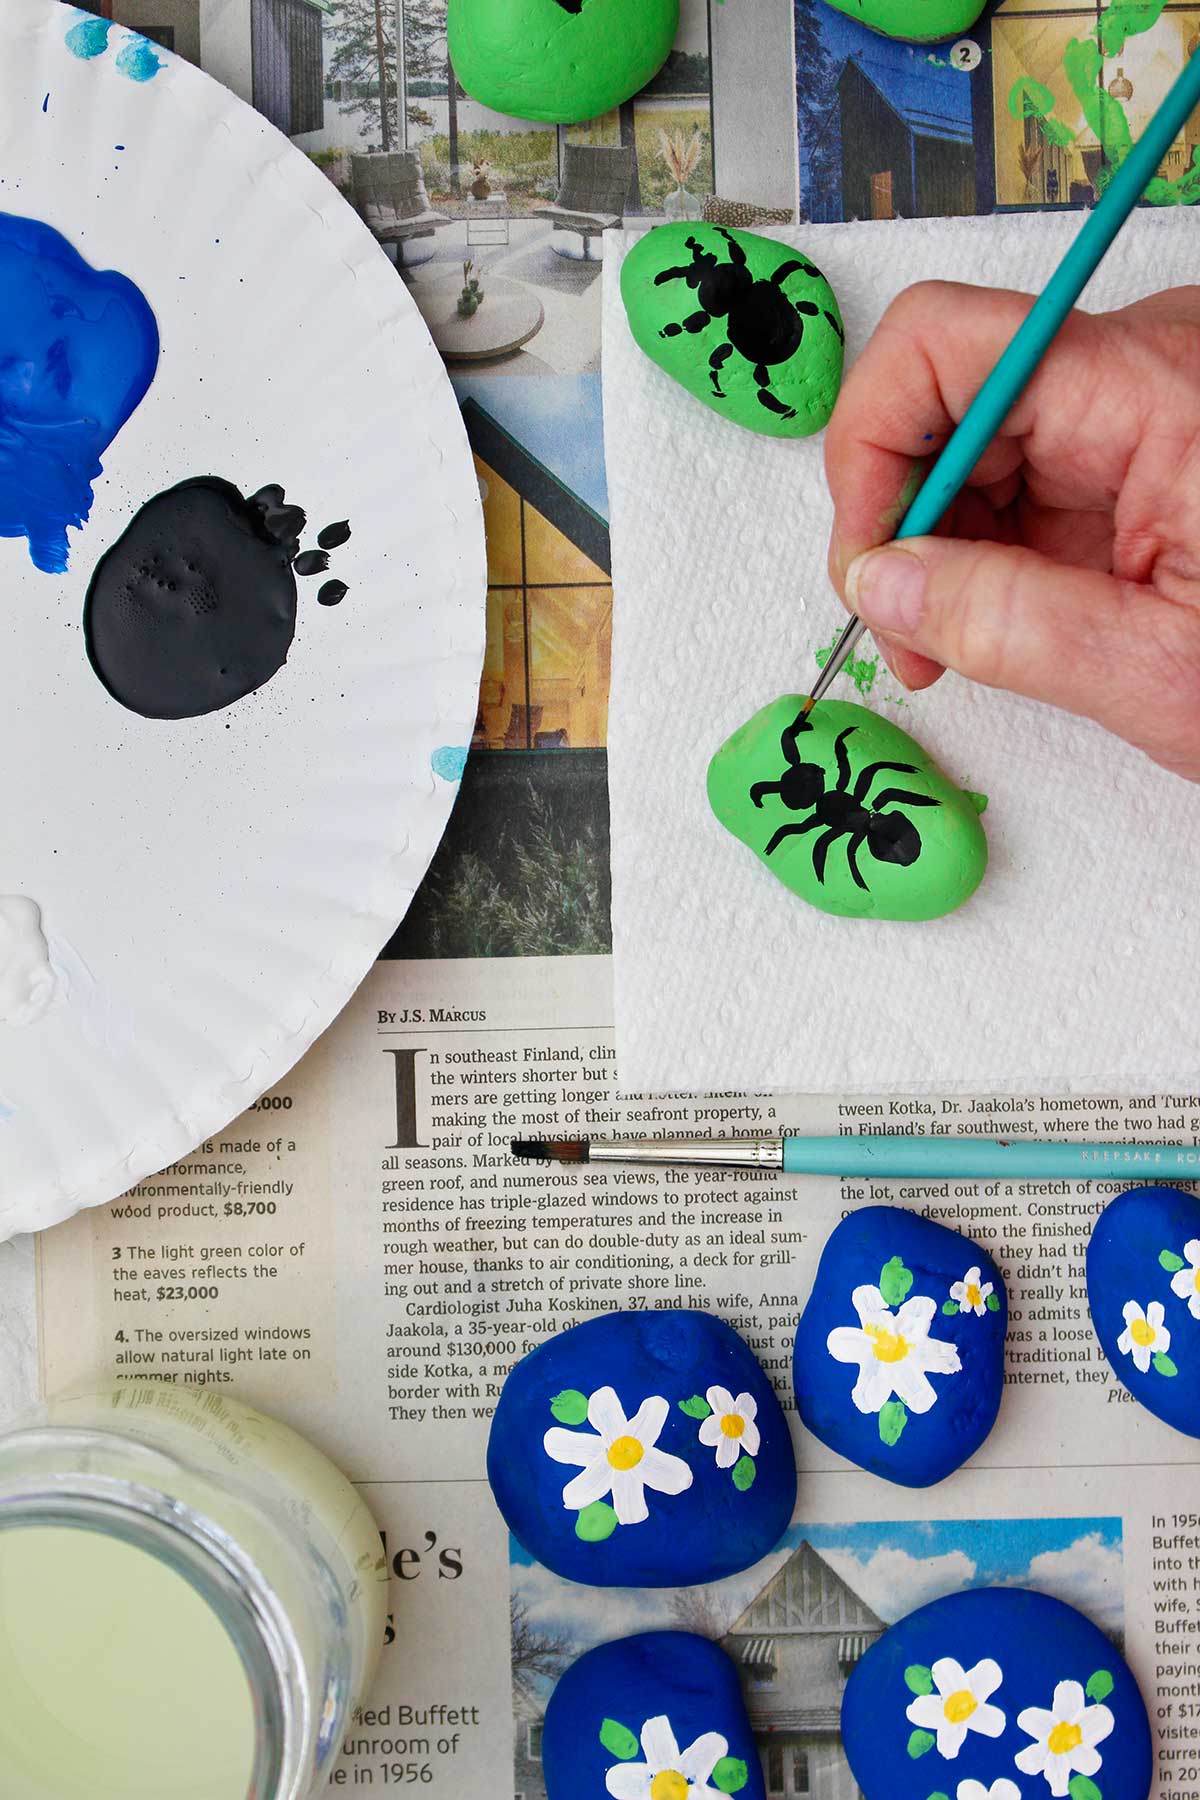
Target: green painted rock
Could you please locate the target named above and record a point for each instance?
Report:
(917, 21)
(849, 812)
(747, 325)
(559, 60)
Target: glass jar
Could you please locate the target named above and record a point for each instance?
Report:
(192, 1598)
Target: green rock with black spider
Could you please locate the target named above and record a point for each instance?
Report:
(849, 812)
(749, 326)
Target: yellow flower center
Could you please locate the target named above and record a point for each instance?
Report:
(959, 1706)
(889, 1345)
(1142, 1332)
(625, 1453)
(973, 1295)
(669, 1784)
(1196, 1280)
(733, 1425)
(1063, 1739)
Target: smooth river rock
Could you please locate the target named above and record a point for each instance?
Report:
(748, 326)
(849, 812)
(916, 21)
(559, 60)
(654, 1717)
(899, 1354)
(996, 1694)
(643, 1450)
(1143, 1280)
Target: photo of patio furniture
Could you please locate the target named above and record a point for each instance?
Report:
(595, 187)
(508, 317)
(390, 198)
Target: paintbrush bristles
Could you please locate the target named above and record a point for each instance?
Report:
(556, 1150)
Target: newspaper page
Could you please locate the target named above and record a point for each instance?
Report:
(359, 1253)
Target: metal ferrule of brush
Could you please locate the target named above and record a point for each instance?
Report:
(721, 1153)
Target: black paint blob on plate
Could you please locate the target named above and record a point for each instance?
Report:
(195, 605)
(332, 593)
(332, 537)
(311, 562)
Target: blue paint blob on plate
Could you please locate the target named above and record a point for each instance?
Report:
(899, 1354)
(996, 1694)
(1143, 1281)
(449, 761)
(138, 60)
(657, 1715)
(643, 1450)
(88, 37)
(78, 350)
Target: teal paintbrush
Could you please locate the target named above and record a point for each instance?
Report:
(1012, 374)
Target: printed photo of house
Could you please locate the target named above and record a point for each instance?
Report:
(797, 1623)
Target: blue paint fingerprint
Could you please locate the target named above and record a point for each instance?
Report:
(78, 350)
(449, 762)
(88, 38)
(137, 59)
(46, 104)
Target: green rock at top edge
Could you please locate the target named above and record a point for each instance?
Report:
(539, 59)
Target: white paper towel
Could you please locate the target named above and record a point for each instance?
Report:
(1075, 964)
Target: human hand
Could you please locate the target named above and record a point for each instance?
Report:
(1068, 569)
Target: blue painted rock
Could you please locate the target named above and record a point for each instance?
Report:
(914, 21)
(653, 1717)
(559, 60)
(748, 326)
(643, 1450)
(1143, 1281)
(899, 1357)
(996, 1694)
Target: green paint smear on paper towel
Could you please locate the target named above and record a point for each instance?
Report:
(862, 670)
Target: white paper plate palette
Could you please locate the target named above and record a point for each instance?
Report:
(186, 901)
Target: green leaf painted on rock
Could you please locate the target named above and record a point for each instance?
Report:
(993, 1303)
(1163, 1364)
(730, 1775)
(920, 1743)
(569, 1407)
(937, 1795)
(618, 1739)
(1170, 1262)
(895, 1281)
(949, 1307)
(893, 1417)
(1100, 1686)
(744, 1471)
(695, 1408)
(1080, 1788)
(596, 1522)
(918, 1679)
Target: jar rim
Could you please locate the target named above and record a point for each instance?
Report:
(204, 1556)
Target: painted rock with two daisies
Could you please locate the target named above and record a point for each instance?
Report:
(899, 1354)
(643, 1450)
(659, 1716)
(1143, 1282)
(996, 1694)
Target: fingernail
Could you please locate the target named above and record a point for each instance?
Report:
(887, 588)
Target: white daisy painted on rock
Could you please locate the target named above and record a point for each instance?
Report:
(621, 1459)
(668, 1772)
(1003, 1789)
(1145, 1336)
(959, 1704)
(1064, 1737)
(730, 1428)
(1186, 1282)
(971, 1293)
(894, 1351)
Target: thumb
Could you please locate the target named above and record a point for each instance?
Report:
(1079, 639)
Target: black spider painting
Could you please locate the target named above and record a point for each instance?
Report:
(844, 810)
(761, 322)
